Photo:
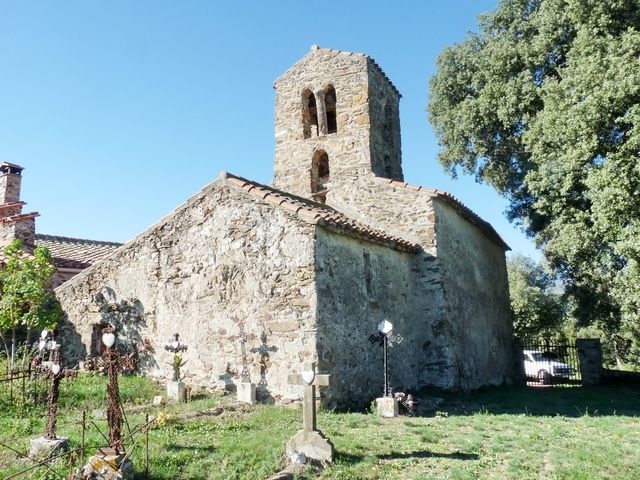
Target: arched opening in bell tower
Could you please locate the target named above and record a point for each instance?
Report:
(330, 107)
(320, 176)
(309, 114)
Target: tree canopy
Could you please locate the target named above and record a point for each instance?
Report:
(543, 103)
(538, 310)
(27, 297)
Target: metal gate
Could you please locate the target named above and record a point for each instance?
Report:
(549, 365)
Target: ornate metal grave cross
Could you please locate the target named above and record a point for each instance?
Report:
(245, 375)
(53, 371)
(386, 338)
(264, 350)
(176, 348)
(114, 361)
(310, 379)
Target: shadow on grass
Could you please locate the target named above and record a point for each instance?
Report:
(600, 400)
(177, 448)
(351, 459)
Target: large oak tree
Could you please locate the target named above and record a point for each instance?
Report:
(543, 103)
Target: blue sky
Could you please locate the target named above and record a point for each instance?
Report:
(120, 110)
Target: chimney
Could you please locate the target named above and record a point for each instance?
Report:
(10, 182)
(13, 223)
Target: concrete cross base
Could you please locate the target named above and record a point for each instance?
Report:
(313, 445)
(246, 392)
(387, 407)
(42, 448)
(108, 465)
(176, 392)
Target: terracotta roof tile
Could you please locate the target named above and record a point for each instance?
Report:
(6, 206)
(75, 252)
(465, 211)
(318, 213)
(21, 216)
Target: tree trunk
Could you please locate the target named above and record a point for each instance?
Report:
(13, 349)
(26, 347)
(6, 348)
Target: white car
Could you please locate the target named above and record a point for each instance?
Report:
(543, 367)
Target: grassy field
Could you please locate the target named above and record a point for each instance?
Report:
(502, 433)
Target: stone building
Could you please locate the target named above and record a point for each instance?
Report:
(307, 267)
(70, 255)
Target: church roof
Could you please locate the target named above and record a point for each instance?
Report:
(460, 207)
(318, 213)
(77, 253)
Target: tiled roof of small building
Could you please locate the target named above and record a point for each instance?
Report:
(318, 213)
(465, 211)
(75, 252)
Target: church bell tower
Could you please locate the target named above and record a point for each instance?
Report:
(337, 119)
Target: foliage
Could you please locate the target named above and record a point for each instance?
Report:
(177, 363)
(499, 433)
(544, 105)
(538, 310)
(26, 287)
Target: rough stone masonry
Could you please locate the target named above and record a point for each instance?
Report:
(312, 263)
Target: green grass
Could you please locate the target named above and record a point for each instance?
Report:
(503, 433)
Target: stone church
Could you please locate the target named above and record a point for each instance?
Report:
(305, 268)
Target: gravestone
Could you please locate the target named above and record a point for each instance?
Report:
(310, 441)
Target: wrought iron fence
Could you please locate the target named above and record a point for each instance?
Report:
(550, 365)
(23, 389)
(65, 465)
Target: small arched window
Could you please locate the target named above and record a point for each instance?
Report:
(309, 114)
(320, 175)
(330, 107)
(387, 167)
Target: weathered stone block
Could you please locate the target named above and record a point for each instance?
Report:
(42, 448)
(590, 355)
(176, 392)
(387, 407)
(312, 444)
(246, 392)
(107, 465)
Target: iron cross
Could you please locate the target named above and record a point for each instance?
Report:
(115, 361)
(54, 372)
(310, 379)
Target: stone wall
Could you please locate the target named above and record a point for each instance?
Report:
(410, 214)
(476, 292)
(220, 259)
(384, 112)
(21, 229)
(460, 270)
(360, 284)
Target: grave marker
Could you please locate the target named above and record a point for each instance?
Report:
(310, 441)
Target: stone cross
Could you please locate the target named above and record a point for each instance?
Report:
(310, 379)
(310, 441)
